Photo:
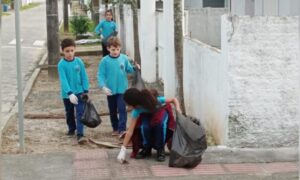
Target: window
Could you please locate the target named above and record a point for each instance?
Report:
(213, 3)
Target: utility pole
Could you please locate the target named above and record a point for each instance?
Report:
(178, 39)
(19, 77)
(52, 37)
(66, 16)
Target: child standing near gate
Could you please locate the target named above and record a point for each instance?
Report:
(106, 28)
(112, 79)
(74, 84)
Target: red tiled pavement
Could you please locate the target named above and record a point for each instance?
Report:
(89, 164)
(165, 171)
(92, 174)
(132, 171)
(280, 167)
(208, 169)
(91, 154)
(244, 168)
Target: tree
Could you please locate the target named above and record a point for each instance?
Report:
(66, 16)
(178, 39)
(52, 37)
(137, 54)
(95, 11)
(122, 25)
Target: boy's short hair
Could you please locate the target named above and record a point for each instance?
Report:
(67, 43)
(114, 41)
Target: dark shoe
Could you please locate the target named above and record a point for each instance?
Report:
(81, 140)
(143, 154)
(161, 155)
(70, 133)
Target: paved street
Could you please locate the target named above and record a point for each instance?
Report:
(33, 37)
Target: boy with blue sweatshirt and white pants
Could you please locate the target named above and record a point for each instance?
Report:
(74, 84)
(112, 79)
(106, 28)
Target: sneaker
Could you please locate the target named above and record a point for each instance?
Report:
(81, 140)
(143, 154)
(115, 133)
(70, 133)
(161, 155)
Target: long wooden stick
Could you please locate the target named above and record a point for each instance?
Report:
(55, 116)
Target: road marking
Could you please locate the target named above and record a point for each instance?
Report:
(13, 42)
(38, 43)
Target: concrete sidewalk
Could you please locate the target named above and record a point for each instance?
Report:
(102, 164)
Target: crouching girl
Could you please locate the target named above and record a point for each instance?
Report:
(151, 118)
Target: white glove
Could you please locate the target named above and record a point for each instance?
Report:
(73, 99)
(122, 155)
(101, 36)
(107, 91)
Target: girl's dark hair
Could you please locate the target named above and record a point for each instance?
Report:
(109, 11)
(143, 98)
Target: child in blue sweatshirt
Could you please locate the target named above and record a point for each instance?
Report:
(106, 28)
(74, 84)
(112, 79)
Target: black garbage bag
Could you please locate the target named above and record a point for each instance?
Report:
(188, 142)
(90, 117)
(137, 81)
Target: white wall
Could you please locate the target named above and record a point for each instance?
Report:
(169, 52)
(205, 87)
(161, 46)
(289, 7)
(191, 4)
(265, 7)
(205, 25)
(129, 30)
(148, 40)
(263, 59)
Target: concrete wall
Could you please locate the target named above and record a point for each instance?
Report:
(192, 4)
(265, 7)
(169, 52)
(263, 59)
(160, 45)
(205, 25)
(129, 31)
(205, 87)
(148, 40)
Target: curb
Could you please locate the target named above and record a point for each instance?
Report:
(223, 154)
(13, 113)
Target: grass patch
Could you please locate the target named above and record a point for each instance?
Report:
(5, 14)
(29, 6)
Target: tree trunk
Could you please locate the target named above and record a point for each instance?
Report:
(66, 16)
(137, 55)
(178, 40)
(122, 25)
(95, 11)
(52, 36)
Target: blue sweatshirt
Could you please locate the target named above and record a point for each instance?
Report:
(73, 77)
(137, 111)
(112, 73)
(106, 28)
